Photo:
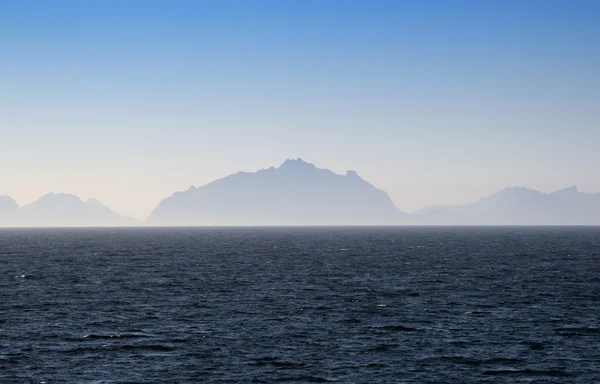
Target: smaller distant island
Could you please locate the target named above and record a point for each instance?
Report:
(60, 210)
(518, 206)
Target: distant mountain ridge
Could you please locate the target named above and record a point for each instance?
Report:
(519, 206)
(299, 193)
(60, 210)
(295, 193)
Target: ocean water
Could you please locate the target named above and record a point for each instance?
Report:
(299, 305)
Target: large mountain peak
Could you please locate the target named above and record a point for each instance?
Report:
(296, 164)
(296, 193)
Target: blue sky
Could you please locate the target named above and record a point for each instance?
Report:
(433, 101)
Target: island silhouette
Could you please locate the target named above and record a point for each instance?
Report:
(300, 193)
(295, 193)
(60, 210)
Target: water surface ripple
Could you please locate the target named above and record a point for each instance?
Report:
(299, 305)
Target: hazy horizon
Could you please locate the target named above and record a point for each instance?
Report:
(434, 102)
(145, 216)
(299, 193)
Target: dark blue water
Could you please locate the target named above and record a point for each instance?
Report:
(370, 305)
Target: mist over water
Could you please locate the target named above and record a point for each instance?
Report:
(239, 305)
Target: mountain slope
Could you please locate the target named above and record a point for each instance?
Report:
(296, 193)
(9, 209)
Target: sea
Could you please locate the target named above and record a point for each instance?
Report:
(300, 305)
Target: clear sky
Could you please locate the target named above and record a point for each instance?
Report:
(432, 101)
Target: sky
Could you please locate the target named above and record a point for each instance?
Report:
(436, 102)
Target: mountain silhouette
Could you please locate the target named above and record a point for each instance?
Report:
(62, 210)
(296, 193)
(299, 193)
(519, 206)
